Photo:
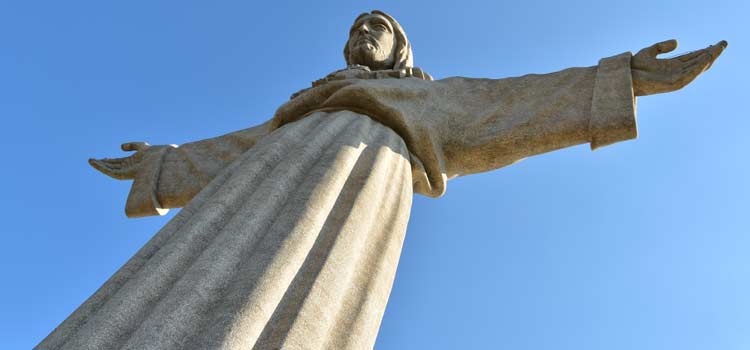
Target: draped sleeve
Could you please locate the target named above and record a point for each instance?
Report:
(170, 176)
(506, 120)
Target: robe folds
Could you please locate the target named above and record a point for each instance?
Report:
(291, 231)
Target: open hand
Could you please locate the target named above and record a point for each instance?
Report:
(122, 168)
(653, 76)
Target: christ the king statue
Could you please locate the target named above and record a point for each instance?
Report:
(291, 231)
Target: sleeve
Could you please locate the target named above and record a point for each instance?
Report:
(170, 176)
(497, 122)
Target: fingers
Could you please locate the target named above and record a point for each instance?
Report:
(689, 56)
(134, 146)
(116, 168)
(700, 63)
(103, 166)
(659, 48)
(714, 50)
(96, 164)
(701, 60)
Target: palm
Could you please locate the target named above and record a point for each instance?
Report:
(653, 76)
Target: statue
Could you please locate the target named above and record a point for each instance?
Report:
(291, 230)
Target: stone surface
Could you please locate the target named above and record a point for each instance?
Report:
(292, 230)
(289, 247)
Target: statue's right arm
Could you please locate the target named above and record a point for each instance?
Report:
(169, 176)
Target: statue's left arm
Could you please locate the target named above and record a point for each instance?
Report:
(505, 120)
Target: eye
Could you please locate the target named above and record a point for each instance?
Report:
(380, 27)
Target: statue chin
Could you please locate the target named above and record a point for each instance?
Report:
(371, 58)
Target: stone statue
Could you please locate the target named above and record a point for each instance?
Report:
(291, 230)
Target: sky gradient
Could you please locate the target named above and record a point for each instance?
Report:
(640, 245)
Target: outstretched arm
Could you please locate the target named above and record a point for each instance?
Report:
(169, 176)
(534, 114)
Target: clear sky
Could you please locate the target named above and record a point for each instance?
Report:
(640, 245)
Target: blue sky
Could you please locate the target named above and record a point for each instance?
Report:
(640, 245)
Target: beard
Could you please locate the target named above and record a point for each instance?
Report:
(371, 55)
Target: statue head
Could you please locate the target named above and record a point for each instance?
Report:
(377, 40)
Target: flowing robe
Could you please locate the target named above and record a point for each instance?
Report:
(292, 230)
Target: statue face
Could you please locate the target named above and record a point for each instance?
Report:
(372, 42)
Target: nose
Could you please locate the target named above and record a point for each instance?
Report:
(364, 29)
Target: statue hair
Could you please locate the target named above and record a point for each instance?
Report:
(403, 57)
